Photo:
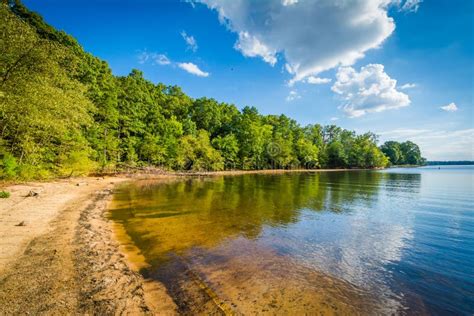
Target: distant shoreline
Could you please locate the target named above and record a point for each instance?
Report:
(450, 163)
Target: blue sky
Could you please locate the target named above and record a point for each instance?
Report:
(317, 61)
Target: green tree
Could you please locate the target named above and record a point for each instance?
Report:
(411, 153)
(406, 153)
(307, 153)
(196, 153)
(393, 151)
(336, 155)
(228, 146)
(254, 137)
(42, 111)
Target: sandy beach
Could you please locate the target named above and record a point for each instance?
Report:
(58, 254)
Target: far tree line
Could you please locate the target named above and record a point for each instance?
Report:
(63, 112)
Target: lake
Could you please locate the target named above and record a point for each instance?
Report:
(352, 242)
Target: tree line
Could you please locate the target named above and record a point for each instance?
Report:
(406, 153)
(63, 112)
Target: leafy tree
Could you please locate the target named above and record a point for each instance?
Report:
(307, 153)
(196, 153)
(254, 137)
(42, 111)
(228, 146)
(336, 155)
(407, 153)
(411, 153)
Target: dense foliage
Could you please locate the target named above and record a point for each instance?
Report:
(406, 153)
(63, 112)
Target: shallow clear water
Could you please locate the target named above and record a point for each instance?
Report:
(391, 241)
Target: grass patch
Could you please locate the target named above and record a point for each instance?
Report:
(4, 194)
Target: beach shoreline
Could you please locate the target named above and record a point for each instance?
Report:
(61, 254)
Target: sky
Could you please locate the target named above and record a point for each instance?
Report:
(403, 69)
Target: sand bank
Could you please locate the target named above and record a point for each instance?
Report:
(58, 254)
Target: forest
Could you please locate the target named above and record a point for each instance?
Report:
(63, 113)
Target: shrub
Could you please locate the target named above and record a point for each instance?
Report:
(8, 166)
(31, 172)
(76, 163)
(4, 194)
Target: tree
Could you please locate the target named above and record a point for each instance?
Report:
(407, 153)
(254, 137)
(411, 153)
(228, 146)
(392, 150)
(336, 155)
(196, 153)
(42, 110)
(307, 153)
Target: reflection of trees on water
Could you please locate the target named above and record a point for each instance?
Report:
(178, 215)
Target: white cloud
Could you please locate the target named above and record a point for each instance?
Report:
(161, 59)
(451, 107)
(317, 80)
(289, 2)
(293, 95)
(333, 119)
(190, 41)
(312, 36)
(411, 5)
(437, 144)
(193, 69)
(154, 58)
(250, 46)
(370, 90)
(408, 86)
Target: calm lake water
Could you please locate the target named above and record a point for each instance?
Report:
(393, 241)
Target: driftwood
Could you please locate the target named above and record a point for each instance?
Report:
(32, 194)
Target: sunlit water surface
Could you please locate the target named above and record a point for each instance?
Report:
(392, 241)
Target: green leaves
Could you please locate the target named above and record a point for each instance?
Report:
(407, 153)
(42, 111)
(196, 153)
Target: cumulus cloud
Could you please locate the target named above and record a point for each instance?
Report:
(437, 144)
(193, 69)
(451, 107)
(317, 80)
(250, 46)
(293, 95)
(408, 86)
(312, 36)
(190, 41)
(370, 90)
